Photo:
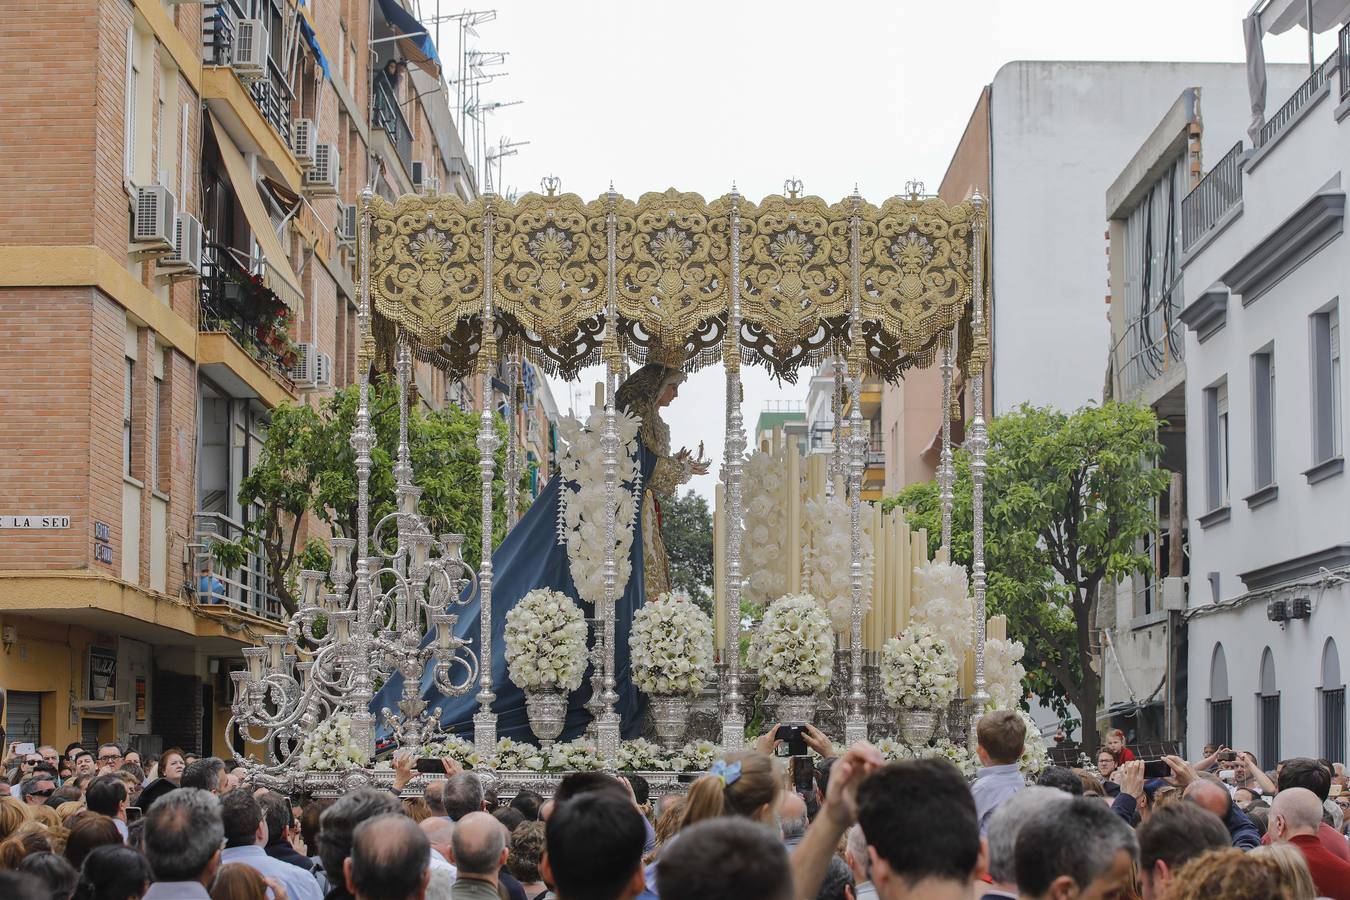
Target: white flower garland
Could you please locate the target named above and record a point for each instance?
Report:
(1035, 754)
(793, 648)
(764, 546)
(1003, 673)
(546, 642)
(917, 670)
(671, 645)
(829, 557)
(892, 750)
(582, 500)
(942, 601)
(330, 748)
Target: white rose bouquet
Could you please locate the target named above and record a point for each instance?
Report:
(546, 642)
(918, 671)
(1003, 673)
(942, 601)
(330, 748)
(671, 644)
(794, 646)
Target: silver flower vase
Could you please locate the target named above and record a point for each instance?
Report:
(917, 725)
(670, 714)
(547, 711)
(796, 708)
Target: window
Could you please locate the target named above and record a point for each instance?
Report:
(156, 412)
(1333, 703)
(1268, 712)
(1216, 445)
(1220, 703)
(129, 109)
(129, 379)
(1326, 378)
(1263, 418)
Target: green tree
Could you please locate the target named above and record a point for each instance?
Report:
(307, 466)
(687, 527)
(1068, 497)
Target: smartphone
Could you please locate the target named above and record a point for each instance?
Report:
(1227, 774)
(792, 735)
(25, 748)
(430, 765)
(803, 775)
(1227, 756)
(133, 814)
(1335, 790)
(1157, 768)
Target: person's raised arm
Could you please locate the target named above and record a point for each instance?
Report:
(840, 810)
(1261, 778)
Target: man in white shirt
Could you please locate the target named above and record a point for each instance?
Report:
(245, 837)
(182, 843)
(439, 830)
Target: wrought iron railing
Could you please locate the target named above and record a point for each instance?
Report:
(1343, 59)
(387, 116)
(271, 94)
(1218, 192)
(1300, 98)
(247, 588)
(223, 296)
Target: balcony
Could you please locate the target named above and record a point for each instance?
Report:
(388, 117)
(1218, 193)
(244, 589)
(235, 302)
(1308, 91)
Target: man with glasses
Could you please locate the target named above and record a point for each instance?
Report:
(36, 788)
(109, 758)
(25, 770)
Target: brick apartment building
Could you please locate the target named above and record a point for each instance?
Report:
(177, 259)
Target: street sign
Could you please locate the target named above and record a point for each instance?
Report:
(34, 521)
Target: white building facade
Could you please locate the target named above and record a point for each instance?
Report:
(1266, 281)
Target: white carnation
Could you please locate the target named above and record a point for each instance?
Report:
(546, 642)
(671, 645)
(793, 648)
(918, 671)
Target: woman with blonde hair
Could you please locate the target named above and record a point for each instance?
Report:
(1232, 875)
(46, 815)
(1293, 867)
(741, 784)
(68, 809)
(13, 813)
(237, 881)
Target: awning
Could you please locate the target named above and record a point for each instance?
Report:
(277, 273)
(1278, 16)
(311, 38)
(418, 47)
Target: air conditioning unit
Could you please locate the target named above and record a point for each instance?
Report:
(323, 370)
(304, 372)
(322, 176)
(347, 223)
(431, 185)
(155, 219)
(187, 253)
(250, 49)
(303, 137)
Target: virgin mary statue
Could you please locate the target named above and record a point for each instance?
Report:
(531, 556)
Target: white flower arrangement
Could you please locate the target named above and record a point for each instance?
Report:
(695, 756)
(917, 670)
(577, 756)
(671, 645)
(793, 648)
(959, 756)
(582, 500)
(330, 748)
(763, 548)
(641, 755)
(942, 601)
(512, 754)
(1035, 754)
(546, 642)
(829, 554)
(454, 747)
(1004, 673)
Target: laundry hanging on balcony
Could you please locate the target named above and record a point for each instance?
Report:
(277, 272)
(417, 45)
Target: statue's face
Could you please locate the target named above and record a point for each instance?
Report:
(669, 393)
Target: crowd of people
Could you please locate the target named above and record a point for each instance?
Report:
(108, 825)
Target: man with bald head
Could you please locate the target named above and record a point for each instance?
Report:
(1213, 796)
(479, 849)
(439, 831)
(1295, 817)
(792, 818)
(388, 861)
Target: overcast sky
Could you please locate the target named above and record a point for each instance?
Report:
(695, 95)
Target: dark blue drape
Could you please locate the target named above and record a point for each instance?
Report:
(530, 557)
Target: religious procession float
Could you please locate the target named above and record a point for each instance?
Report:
(566, 649)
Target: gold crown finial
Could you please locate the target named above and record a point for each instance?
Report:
(665, 355)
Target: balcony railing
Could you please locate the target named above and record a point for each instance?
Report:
(1343, 59)
(387, 116)
(1306, 91)
(226, 307)
(246, 588)
(272, 95)
(1218, 192)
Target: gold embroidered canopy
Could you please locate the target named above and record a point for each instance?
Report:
(545, 264)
